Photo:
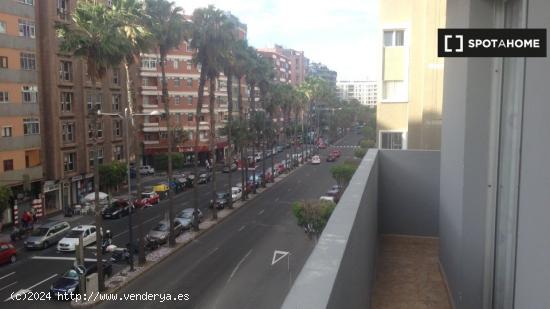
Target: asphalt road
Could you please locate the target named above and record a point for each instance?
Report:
(230, 266)
(36, 270)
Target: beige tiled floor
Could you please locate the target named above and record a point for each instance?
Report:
(407, 274)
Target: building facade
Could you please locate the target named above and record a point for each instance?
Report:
(66, 99)
(282, 64)
(363, 91)
(410, 96)
(20, 123)
(322, 71)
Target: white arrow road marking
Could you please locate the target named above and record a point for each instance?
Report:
(261, 212)
(7, 275)
(278, 255)
(242, 228)
(238, 265)
(30, 288)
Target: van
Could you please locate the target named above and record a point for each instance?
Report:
(47, 234)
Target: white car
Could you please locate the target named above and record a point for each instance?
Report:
(327, 198)
(236, 193)
(69, 242)
(315, 160)
(146, 170)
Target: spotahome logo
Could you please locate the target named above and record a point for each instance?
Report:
(491, 42)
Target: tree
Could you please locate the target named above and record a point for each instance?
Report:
(5, 199)
(343, 173)
(313, 214)
(95, 34)
(265, 76)
(169, 29)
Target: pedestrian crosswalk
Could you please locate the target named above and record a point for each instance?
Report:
(344, 146)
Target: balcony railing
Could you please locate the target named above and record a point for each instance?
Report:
(359, 262)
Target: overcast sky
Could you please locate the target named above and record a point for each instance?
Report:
(340, 34)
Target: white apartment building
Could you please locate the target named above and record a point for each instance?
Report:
(363, 91)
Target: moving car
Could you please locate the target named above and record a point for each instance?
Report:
(185, 217)
(331, 158)
(315, 160)
(151, 197)
(146, 170)
(336, 153)
(8, 253)
(69, 283)
(68, 243)
(117, 210)
(47, 234)
(236, 193)
(161, 231)
(232, 168)
(222, 199)
(204, 176)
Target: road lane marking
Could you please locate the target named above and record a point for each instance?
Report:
(261, 212)
(238, 265)
(60, 258)
(30, 288)
(7, 286)
(242, 228)
(7, 275)
(212, 252)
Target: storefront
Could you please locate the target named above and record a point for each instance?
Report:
(80, 186)
(52, 196)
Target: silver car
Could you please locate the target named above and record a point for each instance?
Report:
(161, 231)
(47, 234)
(185, 217)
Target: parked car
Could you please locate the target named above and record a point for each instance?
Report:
(117, 210)
(221, 201)
(68, 243)
(327, 198)
(8, 253)
(335, 193)
(69, 283)
(233, 167)
(47, 234)
(236, 193)
(336, 153)
(258, 156)
(185, 217)
(331, 158)
(248, 188)
(146, 170)
(151, 197)
(204, 176)
(161, 231)
(279, 148)
(315, 160)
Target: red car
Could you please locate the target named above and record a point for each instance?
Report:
(150, 198)
(8, 253)
(322, 145)
(336, 153)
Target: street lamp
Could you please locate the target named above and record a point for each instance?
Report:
(127, 117)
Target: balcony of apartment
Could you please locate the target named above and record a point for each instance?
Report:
(20, 142)
(18, 176)
(18, 109)
(380, 247)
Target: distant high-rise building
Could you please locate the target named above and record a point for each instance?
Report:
(20, 123)
(363, 91)
(322, 71)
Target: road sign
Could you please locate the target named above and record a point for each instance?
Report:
(278, 255)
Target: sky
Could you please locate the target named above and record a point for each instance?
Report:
(341, 34)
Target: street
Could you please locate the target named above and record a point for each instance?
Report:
(217, 270)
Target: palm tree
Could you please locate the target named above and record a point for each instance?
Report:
(131, 12)
(212, 32)
(265, 79)
(169, 29)
(94, 35)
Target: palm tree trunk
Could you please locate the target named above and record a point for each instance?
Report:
(171, 215)
(244, 165)
(212, 140)
(253, 116)
(229, 160)
(202, 82)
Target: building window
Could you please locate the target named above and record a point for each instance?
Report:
(190, 99)
(29, 94)
(394, 38)
(116, 102)
(99, 130)
(8, 165)
(149, 63)
(66, 100)
(67, 133)
(188, 48)
(190, 82)
(3, 62)
(177, 82)
(175, 63)
(118, 153)
(91, 154)
(28, 61)
(394, 90)
(190, 117)
(26, 28)
(201, 117)
(117, 128)
(189, 65)
(116, 77)
(6, 131)
(4, 97)
(65, 71)
(27, 2)
(31, 126)
(2, 26)
(94, 101)
(63, 9)
(392, 140)
(69, 161)
(177, 100)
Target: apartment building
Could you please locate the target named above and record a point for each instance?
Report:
(298, 62)
(282, 64)
(363, 91)
(66, 98)
(411, 81)
(322, 71)
(20, 123)
(183, 84)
